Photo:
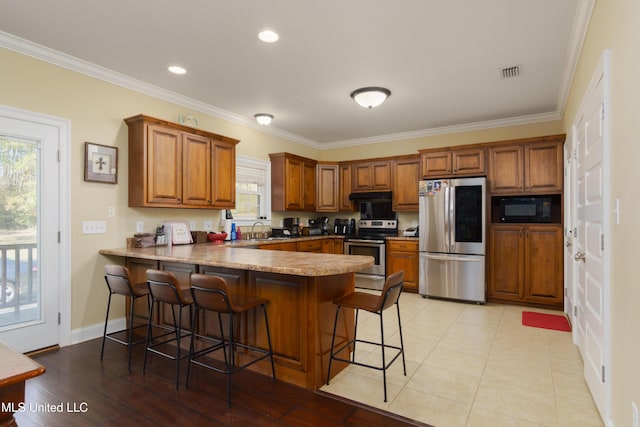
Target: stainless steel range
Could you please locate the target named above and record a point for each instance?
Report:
(370, 240)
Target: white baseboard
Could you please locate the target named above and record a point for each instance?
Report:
(96, 330)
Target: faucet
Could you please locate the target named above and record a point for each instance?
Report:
(253, 236)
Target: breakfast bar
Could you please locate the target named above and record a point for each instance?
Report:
(300, 286)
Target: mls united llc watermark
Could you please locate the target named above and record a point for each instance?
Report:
(67, 407)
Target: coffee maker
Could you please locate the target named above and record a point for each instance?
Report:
(292, 225)
(344, 227)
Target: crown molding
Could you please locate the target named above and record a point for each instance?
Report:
(28, 48)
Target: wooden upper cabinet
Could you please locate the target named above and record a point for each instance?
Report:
(506, 169)
(534, 167)
(172, 165)
(223, 159)
(543, 167)
(453, 162)
(163, 176)
(293, 182)
(371, 176)
(196, 189)
(345, 187)
(406, 174)
(327, 187)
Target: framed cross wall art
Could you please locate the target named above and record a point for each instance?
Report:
(100, 163)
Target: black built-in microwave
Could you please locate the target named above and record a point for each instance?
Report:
(525, 209)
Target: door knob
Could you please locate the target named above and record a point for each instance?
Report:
(568, 244)
(580, 256)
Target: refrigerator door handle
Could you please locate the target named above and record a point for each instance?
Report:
(447, 209)
(444, 257)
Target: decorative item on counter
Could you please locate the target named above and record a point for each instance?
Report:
(233, 231)
(144, 240)
(179, 232)
(199, 236)
(238, 234)
(217, 237)
(161, 236)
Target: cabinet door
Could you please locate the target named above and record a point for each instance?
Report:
(293, 184)
(164, 166)
(406, 174)
(403, 255)
(345, 188)
(223, 174)
(361, 177)
(309, 246)
(506, 262)
(369, 176)
(196, 179)
(308, 186)
(544, 264)
(327, 191)
(468, 162)
(381, 176)
(437, 164)
(506, 169)
(543, 168)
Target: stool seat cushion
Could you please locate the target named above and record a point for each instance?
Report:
(360, 300)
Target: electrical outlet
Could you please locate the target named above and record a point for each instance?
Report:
(111, 212)
(208, 226)
(192, 225)
(139, 226)
(94, 227)
(634, 415)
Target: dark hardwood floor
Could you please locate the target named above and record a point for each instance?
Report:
(91, 392)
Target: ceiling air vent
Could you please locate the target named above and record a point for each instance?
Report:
(510, 72)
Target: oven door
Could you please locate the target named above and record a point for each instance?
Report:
(374, 248)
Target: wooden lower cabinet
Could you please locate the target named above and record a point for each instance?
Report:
(281, 246)
(309, 246)
(403, 255)
(333, 246)
(300, 310)
(525, 264)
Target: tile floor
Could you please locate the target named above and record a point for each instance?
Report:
(471, 365)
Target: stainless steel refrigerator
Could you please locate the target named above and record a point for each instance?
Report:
(453, 238)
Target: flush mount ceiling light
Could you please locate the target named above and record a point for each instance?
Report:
(370, 97)
(175, 69)
(268, 36)
(263, 118)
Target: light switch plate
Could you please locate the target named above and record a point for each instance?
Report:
(94, 227)
(139, 226)
(208, 226)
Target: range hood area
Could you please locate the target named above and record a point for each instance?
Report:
(371, 196)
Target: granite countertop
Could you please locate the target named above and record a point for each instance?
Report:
(233, 255)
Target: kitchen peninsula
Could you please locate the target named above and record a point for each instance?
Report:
(300, 286)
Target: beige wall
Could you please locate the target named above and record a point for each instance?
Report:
(614, 26)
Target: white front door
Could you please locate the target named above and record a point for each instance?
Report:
(29, 252)
(591, 246)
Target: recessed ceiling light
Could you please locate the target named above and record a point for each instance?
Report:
(268, 36)
(175, 69)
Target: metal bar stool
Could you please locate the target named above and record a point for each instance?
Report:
(375, 304)
(211, 293)
(164, 287)
(119, 282)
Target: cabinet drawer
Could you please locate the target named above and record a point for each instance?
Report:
(310, 246)
(402, 245)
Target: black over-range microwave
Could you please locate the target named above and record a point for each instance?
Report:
(525, 209)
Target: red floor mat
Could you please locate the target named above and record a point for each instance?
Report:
(546, 321)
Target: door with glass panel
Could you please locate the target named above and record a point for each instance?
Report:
(29, 215)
